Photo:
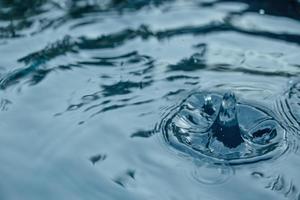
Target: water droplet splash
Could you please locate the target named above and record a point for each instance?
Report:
(226, 127)
(219, 127)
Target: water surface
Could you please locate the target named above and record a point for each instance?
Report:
(86, 88)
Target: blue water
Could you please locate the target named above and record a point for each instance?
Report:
(137, 99)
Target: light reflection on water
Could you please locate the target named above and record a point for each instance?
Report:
(85, 83)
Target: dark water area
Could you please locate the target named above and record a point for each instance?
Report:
(137, 99)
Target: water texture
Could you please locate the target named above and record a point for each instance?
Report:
(222, 129)
(149, 99)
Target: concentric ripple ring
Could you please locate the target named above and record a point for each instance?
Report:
(219, 127)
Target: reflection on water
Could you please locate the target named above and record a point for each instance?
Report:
(86, 87)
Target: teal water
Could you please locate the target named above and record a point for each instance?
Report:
(157, 99)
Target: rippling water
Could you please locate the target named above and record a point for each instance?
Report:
(137, 99)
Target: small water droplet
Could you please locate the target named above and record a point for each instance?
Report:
(261, 11)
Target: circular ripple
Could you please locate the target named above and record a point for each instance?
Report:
(293, 99)
(209, 175)
(217, 126)
(288, 108)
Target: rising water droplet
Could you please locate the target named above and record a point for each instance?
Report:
(216, 126)
(226, 128)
